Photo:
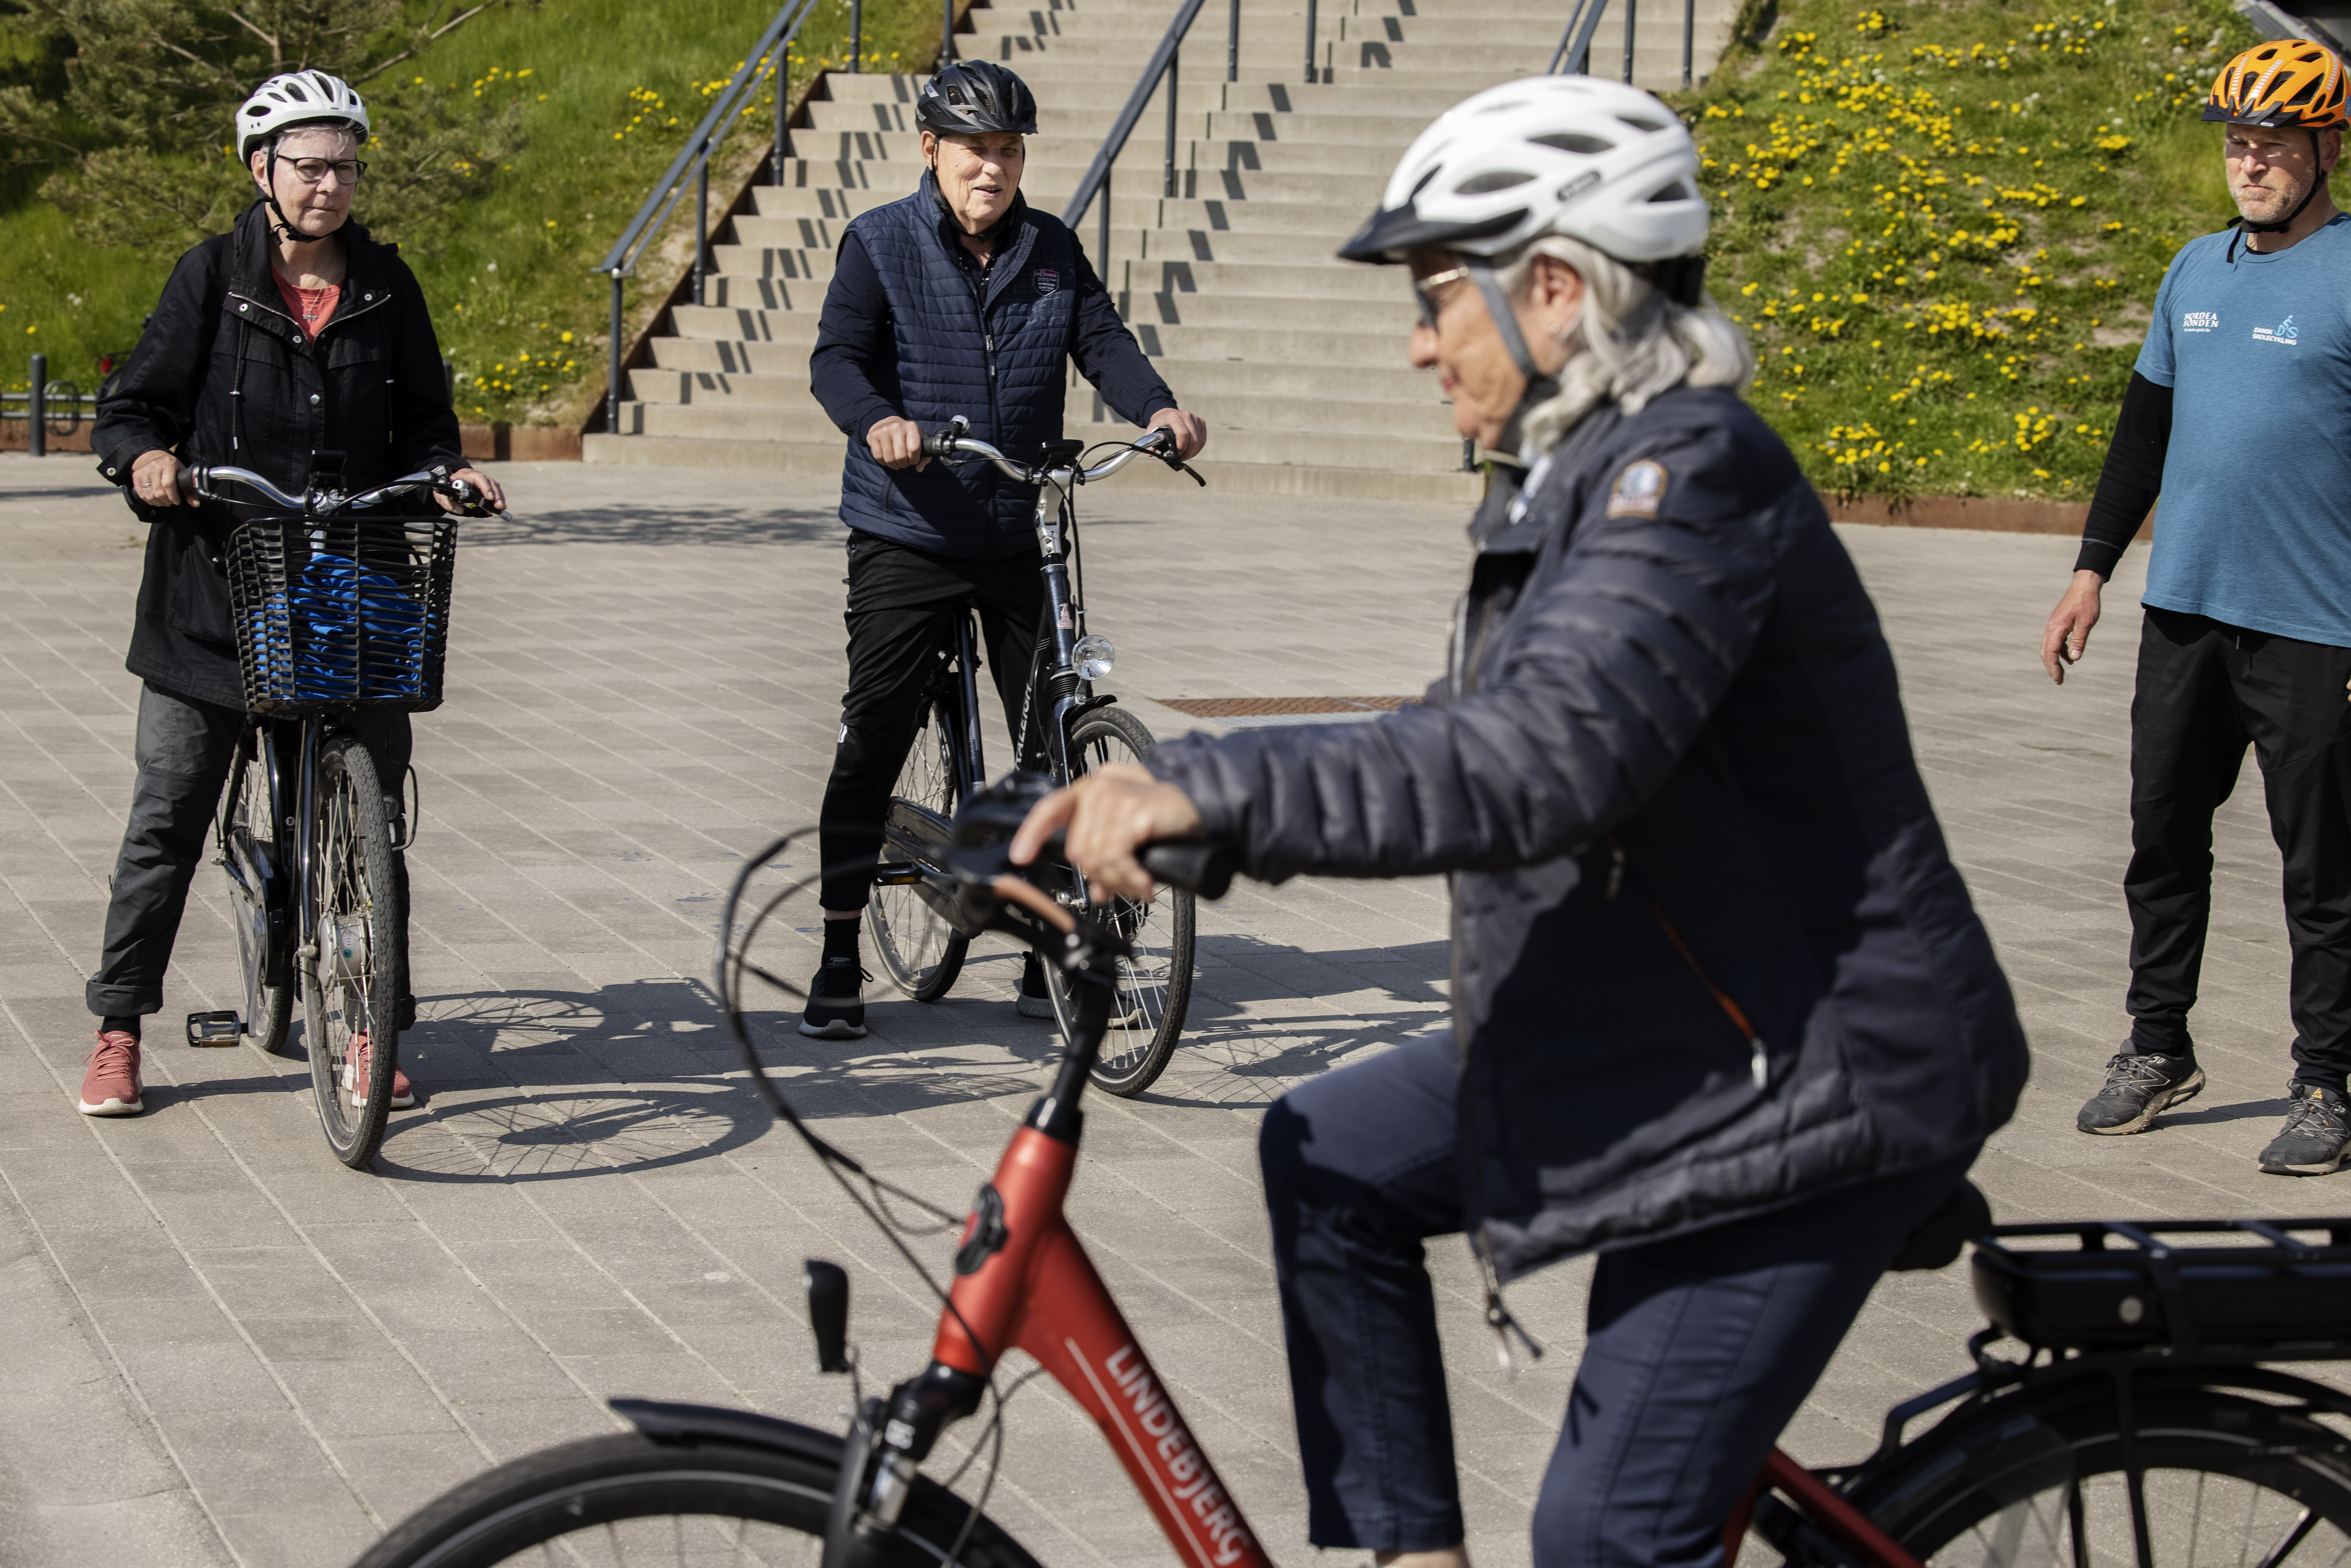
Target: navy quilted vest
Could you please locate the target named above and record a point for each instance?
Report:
(992, 347)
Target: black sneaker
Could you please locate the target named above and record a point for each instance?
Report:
(835, 1008)
(2314, 1137)
(1036, 1002)
(2139, 1089)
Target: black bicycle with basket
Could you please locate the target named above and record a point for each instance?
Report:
(336, 613)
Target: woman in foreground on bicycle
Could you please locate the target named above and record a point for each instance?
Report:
(293, 333)
(1723, 1010)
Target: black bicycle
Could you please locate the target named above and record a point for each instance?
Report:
(1073, 729)
(336, 613)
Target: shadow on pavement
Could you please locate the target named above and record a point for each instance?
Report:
(654, 524)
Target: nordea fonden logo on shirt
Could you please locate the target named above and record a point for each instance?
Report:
(2283, 332)
(2200, 322)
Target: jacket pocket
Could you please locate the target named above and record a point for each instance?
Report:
(199, 603)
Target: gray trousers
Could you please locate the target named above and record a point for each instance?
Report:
(183, 749)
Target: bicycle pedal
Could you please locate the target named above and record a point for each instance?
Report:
(215, 1028)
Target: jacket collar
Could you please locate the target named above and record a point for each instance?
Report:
(1016, 233)
(365, 286)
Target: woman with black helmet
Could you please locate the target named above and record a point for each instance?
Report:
(959, 299)
(1723, 1012)
(294, 334)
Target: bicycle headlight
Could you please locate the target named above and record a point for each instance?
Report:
(1093, 656)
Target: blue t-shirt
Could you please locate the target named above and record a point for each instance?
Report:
(2254, 524)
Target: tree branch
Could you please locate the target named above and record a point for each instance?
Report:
(431, 37)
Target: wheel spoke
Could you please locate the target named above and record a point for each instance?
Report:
(2295, 1536)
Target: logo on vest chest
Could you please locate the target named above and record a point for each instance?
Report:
(1046, 279)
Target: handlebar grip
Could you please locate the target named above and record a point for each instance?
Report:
(1195, 864)
(939, 444)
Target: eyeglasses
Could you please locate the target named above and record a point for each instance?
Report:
(1424, 291)
(313, 171)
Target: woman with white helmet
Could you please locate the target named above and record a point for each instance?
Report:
(1723, 1012)
(294, 334)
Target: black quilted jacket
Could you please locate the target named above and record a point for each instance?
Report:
(1711, 955)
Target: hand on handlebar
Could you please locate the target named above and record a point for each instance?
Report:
(1107, 816)
(155, 478)
(492, 497)
(1190, 431)
(898, 443)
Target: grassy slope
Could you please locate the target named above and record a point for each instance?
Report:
(1944, 226)
(611, 89)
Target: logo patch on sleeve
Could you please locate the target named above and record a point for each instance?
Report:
(1639, 490)
(1047, 280)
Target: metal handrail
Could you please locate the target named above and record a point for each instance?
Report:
(1096, 183)
(1574, 51)
(766, 57)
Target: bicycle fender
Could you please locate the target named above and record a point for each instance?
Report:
(666, 1422)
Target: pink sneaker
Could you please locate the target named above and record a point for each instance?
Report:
(111, 1087)
(359, 1066)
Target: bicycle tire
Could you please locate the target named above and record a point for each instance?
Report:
(918, 952)
(250, 840)
(2018, 1480)
(607, 1499)
(349, 984)
(1154, 987)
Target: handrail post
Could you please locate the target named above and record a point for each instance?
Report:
(1233, 44)
(702, 224)
(1170, 81)
(947, 34)
(856, 34)
(1690, 38)
(37, 410)
(784, 86)
(1631, 8)
(1101, 245)
(612, 391)
(1311, 74)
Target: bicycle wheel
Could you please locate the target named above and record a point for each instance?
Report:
(250, 843)
(919, 952)
(349, 984)
(2226, 1478)
(631, 1500)
(1154, 985)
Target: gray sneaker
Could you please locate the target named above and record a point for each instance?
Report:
(2139, 1089)
(1034, 1001)
(2314, 1137)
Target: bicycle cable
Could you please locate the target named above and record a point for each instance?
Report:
(733, 963)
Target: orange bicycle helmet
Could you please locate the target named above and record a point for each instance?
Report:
(2289, 82)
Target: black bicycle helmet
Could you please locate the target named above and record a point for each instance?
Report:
(972, 98)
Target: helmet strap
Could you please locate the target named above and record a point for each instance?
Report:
(1541, 387)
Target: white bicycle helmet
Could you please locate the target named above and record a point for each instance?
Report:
(1595, 160)
(298, 98)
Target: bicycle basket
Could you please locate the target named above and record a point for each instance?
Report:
(342, 613)
(2266, 1284)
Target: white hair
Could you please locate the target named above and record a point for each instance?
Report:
(1629, 342)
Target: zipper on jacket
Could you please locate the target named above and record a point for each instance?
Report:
(1497, 1316)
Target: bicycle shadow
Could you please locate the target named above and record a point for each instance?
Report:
(671, 524)
(546, 1085)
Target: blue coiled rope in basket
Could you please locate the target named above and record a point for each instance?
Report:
(342, 613)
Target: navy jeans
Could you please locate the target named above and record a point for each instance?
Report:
(1698, 1351)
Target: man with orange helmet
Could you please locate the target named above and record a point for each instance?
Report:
(2247, 635)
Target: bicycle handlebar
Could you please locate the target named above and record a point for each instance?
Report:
(951, 443)
(1195, 865)
(325, 503)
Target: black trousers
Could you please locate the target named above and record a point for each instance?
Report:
(902, 605)
(1698, 1350)
(2206, 690)
(183, 749)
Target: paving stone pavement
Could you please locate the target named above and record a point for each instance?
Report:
(226, 1348)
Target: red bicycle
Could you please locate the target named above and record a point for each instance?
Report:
(2139, 1426)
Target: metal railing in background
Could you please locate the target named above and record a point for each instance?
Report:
(38, 407)
(766, 59)
(1094, 189)
(1573, 55)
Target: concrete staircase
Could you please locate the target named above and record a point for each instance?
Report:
(1294, 357)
